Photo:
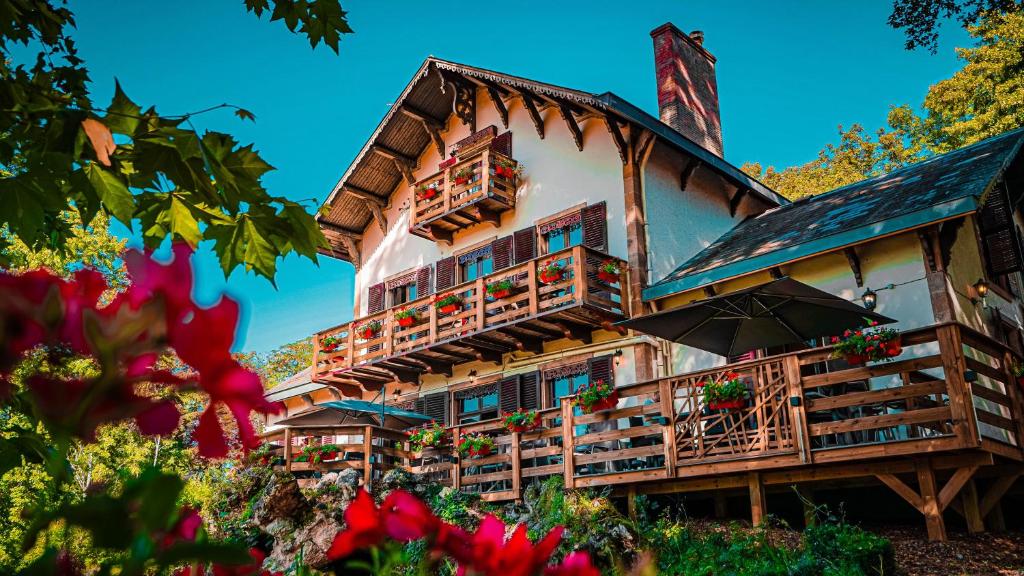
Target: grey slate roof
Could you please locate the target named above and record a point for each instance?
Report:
(929, 191)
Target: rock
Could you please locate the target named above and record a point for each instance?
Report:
(280, 498)
(326, 480)
(348, 477)
(314, 538)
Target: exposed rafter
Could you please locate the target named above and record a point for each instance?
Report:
(378, 216)
(570, 121)
(641, 142)
(737, 197)
(854, 260)
(497, 93)
(687, 173)
(405, 164)
(616, 132)
(432, 125)
(530, 103)
(374, 204)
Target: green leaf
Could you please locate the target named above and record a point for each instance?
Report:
(122, 114)
(116, 197)
(260, 255)
(178, 220)
(245, 114)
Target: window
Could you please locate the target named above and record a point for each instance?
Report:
(562, 232)
(565, 386)
(401, 294)
(475, 263)
(477, 404)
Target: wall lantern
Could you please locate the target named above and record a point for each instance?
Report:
(618, 357)
(870, 299)
(981, 288)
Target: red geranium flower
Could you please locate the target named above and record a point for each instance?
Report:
(401, 517)
(575, 564)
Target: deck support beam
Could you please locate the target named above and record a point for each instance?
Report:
(757, 507)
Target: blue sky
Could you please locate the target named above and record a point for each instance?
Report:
(788, 73)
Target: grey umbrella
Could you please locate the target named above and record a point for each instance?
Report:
(783, 311)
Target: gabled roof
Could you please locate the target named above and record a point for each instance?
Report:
(428, 100)
(936, 189)
(294, 385)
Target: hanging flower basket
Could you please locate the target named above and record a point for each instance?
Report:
(407, 317)
(429, 436)
(369, 330)
(448, 304)
(463, 176)
(609, 272)
(426, 192)
(500, 289)
(475, 445)
(730, 393)
(324, 453)
(521, 420)
(596, 396)
(330, 344)
(506, 169)
(871, 344)
(551, 272)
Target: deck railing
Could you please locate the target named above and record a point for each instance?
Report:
(478, 312)
(443, 193)
(952, 389)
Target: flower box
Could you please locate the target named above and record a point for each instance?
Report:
(609, 272)
(871, 344)
(407, 317)
(368, 332)
(427, 438)
(500, 289)
(730, 393)
(551, 277)
(330, 344)
(521, 420)
(596, 396)
(550, 272)
(449, 308)
(463, 176)
(407, 321)
(727, 404)
(448, 303)
(479, 452)
(475, 445)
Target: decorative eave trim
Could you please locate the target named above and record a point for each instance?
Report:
(523, 84)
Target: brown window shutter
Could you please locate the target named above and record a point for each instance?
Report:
(529, 395)
(419, 406)
(999, 235)
(444, 273)
(595, 226)
(375, 298)
(423, 282)
(508, 394)
(503, 144)
(501, 253)
(436, 406)
(601, 369)
(524, 245)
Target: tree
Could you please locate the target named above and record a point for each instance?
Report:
(921, 19)
(280, 363)
(60, 150)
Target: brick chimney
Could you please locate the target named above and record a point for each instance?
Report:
(687, 89)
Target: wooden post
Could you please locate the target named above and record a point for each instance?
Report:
(432, 333)
(930, 501)
(961, 403)
(667, 398)
(568, 445)
(485, 171)
(479, 302)
(806, 496)
(316, 356)
(367, 456)
(757, 507)
(636, 233)
(531, 287)
(457, 468)
(798, 413)
(288, 449)
(972, 514)
(631, 501)
(350, 344)
(388, 332)
(579, 273)
(517, 466)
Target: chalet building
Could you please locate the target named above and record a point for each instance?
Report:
(503, 229)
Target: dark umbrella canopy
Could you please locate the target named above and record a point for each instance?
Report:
(783, 311)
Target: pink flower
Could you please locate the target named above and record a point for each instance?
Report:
(575, 564)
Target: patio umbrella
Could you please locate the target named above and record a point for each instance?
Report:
(362, 407)
(783, 311)
(353, 412)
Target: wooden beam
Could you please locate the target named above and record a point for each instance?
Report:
(641, 144)
(620, 141)
(400, 374)
(403, 163)
(969, 507)
(378, 216)
(431, 125)
(499, 104)
(734, 202)
(930, 502)
(926, 249)
(527, 344)
(954, 484)
(433, 366)
(363, 194)
(854, 261)
(995, 492)
(440, 234)
(483, 214)
(900, 488)
(531, 108)
(570, 122)
(574, 332)
(687, 173)
(353, 250)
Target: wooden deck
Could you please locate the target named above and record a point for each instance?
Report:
(949, 409)
(483, 328)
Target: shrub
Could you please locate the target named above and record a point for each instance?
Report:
(845, 549)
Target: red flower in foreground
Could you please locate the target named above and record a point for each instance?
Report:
(363, 527)
(253, 569)
(575, 564)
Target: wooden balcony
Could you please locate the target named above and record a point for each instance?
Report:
(370, 449)
(948, 408)
(482, 328)
(469, 192)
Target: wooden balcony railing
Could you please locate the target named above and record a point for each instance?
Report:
(471, 191)
(370, 449)
(481, 328)
(952, 390)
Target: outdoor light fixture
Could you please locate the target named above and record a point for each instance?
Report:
(472, 375)
(618, 357)
(981, 288)
(870, 298)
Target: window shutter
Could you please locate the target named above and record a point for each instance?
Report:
(501, 253)
(595, 226)
(444, 273)
(999, 235)
(529, 395)
(423, 282)
(601, 369)
(375, 298)
(503, 144)
(436, 406)
(524, 245)
(419, 406)
(508, 394)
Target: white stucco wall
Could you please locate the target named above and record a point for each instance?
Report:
(556, 176)
(682, 223)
